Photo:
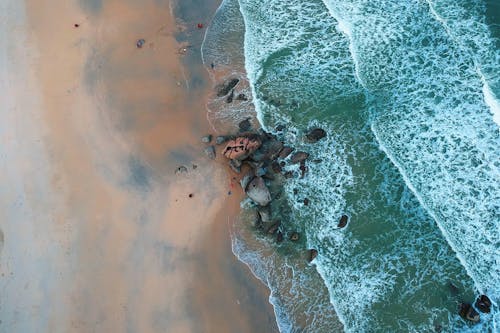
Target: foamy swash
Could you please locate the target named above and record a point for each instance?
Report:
(407, 91)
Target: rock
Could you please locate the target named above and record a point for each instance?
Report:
(245, 125)
(279, 237)
(472, 315)
(230, 97)
(289, 174)
(265, 214)
(260, 172)
(241, 147)
(258, 191)
(253, 218)
(294, 236)
(343, 221)
(306, 202)
(273, 149)
(235, 165)
(280, 128)
(312, 254)
(206, 138)
(299, 157)
(295, 191)
(275, 166)
(483, 304)
(303, 169)
(246, 179)
(181, 169)
(315, 135)
(285, 152)
(273, 228)
(140, 43)
(282, 164)
(242, 97)
(220, 140)
(224, 88)
(210, 152)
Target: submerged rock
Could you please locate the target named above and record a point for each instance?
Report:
(241, 147)
(206, 138)
(313, 253)
(210, 152)
(285, 152)
(294, 236)
(224, 88)
(343, 221)
(273, 228)
(467, 312)
(299, 157)
(483, 304)
(258, 191)
(315, 135)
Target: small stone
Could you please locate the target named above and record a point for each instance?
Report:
(294, 236)
(206, 138)
(242, 97)
(190, 195)
(220, 139)
(306, 202)
(195, 166)
(140, 43)
(181, 169)
(315, 135)
(343, 221)
(210, 152)
(312, 254)
(299, 157)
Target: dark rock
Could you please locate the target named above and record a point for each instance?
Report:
(246, 179)
(191, 195)
(306, 202)
(294, 236)
(299, 157)
(285, 152)
(220, 139)
(303, 169)
(242, 97)
(453, 289)
(245, 125)
(224, 88)
(206, 138)
(280, 128)
(181, 169)
(265, 213)
(317, 161)
(274, 227)
(289, 174)
(140, 43)
(279, 237)
(343, 221)
(258, 191)
(282, 164)
(483, 304)
(235, 165)
(472, 315)
(315, 135)
(295, 191)
(230, 97)
(275, 166)
(312, 254)
(210, 152)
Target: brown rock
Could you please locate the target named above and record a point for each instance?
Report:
(315, 135)
(312, 254)
(258, 191)
(285, 152)
(343, 221)
(241, 147)
(299, 157)
(483, 304)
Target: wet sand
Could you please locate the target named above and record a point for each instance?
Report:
(100, 234)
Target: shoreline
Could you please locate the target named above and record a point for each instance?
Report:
(130, 248)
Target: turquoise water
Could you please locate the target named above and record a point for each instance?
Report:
(407, 91)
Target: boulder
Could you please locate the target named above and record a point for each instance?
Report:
(258, 191)
(245, 125)
(210, 152)
(265, 213)
(467, 312)
(312, 254)
(294, 236)
(343, 221)
(275, 166)
(241, 147)
(246, 179)
(285, 152)
(140, 43)
(206, 138)
(224, 88)
(220, 139)
(315, 135)
(299, 157)
(483, 304)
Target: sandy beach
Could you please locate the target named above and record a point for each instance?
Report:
(98, 231)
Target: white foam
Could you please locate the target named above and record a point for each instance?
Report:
(491, 101)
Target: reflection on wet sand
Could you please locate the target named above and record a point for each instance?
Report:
(100, 233)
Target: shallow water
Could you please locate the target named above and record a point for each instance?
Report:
(407, 92)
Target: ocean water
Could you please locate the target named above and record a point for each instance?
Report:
(408, 92)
